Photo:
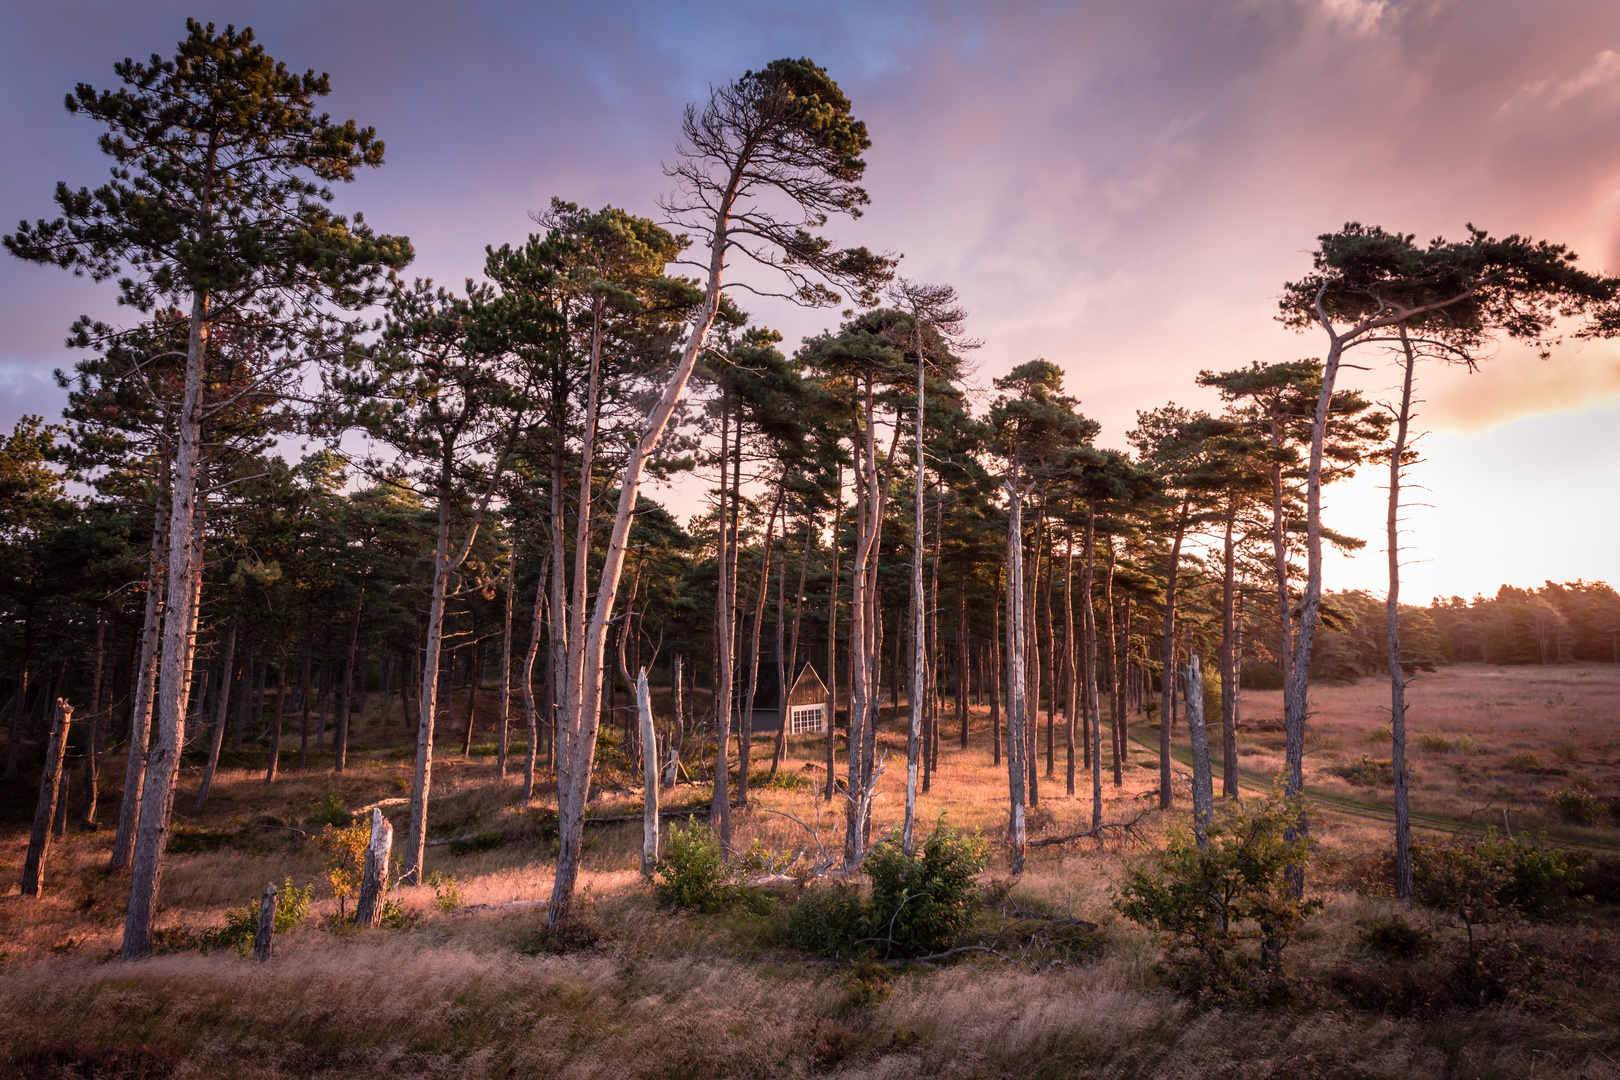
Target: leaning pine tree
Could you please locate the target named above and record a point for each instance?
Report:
(217, 205)
(764, 162)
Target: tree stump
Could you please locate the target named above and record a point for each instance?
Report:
(368, 908)
(50, 785)
(265, 936)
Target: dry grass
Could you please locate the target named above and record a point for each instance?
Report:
(672, 994)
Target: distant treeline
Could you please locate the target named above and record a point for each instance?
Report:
(1557, 623)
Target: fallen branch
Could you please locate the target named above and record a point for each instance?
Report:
(369, 807)
(1098, 830)
(925, 960)
(283, 828)
(686, 812)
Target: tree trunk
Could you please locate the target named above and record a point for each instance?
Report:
(50, 783)
(264, 938)
(1167, 678)
(1392, 629)
(832, 646)
(531, 719)
(649, 773)
(1016, 685)
(428, 695)
(506, 663)
(140, 720)
(919, 630)
(92, 734)
(374, 881)
(1203, 785)
(340, 743)
(745, 739)
(220, 708)
(1229, 765)
(724, 616)
(275, 731)
(1070, 682)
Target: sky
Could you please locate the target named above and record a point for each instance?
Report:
(1120, 187)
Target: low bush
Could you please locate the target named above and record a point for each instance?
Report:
(1225, 911)
(1567, 750)
(691, 873)
(446, 894)
(241, 924)
(345, 850)
(1523, 761)
(329, 810)
(1493, 879)
(920, 903)
(1579, 806)
(1436, 744)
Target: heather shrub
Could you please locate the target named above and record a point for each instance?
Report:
(1224, 912)
(1522, 761)
(1579, 806)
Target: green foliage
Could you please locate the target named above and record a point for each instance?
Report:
(345, 850)
(1210, 904)
(446, 895)
(1495, 879)
(329, 810)
(396, 916)
(827, 921)
(1579, 806)
(241, 924)
(1567, 750)
(920, 903)
(1436, 744)
(691, 873)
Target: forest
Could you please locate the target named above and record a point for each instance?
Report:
(308, 523)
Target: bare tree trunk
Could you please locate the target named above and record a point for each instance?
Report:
(1016, 682)
(140, 720)
(506, 663)
(340, 747)
(1229, 765)
(374, 881)
(918, 616)
(995, 674)
(1167, 679)
(529, 715)
(832, 646)
(724, 614)
(1192, 688)
(788, 667)
(275, 731)
(50, 782)
(92, 735)
(745, 740)
(1070, 682)
(220, 708)
(264, 937)
(649, 772)
(1392, 629)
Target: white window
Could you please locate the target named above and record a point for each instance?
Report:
(805, 719)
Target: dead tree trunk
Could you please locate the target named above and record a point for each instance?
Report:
(265, 936)
(649, 761)
(368, 905)
(1192, 689)
(220, 707)
(50, 782)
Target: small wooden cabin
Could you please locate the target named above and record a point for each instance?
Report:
(807, 706)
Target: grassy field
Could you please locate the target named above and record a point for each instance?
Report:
(473, 989)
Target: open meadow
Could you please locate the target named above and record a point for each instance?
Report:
(467, 983)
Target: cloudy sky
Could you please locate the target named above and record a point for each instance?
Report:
(1121, 187)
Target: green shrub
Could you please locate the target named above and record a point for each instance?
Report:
(1522, 761)
(1492, 879)
(1225, 912)
(921, 902)
(691, 872)
(1579, 806)
(1465, 744)
(445, 892)
(1381, 734)
(1567, 750)
(329, 810)
(1437, 744)
(242, 924)
(828, 920)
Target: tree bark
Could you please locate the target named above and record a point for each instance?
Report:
(374, 881)
(1192, 688)
(1392, 629)
(264, 938)
(50, 783)
(1229, 766)
(506, 663)
(1167, 678)
(1016, 684)
(220, 708)
(275, 730)
(649, 772)
(140, 720)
